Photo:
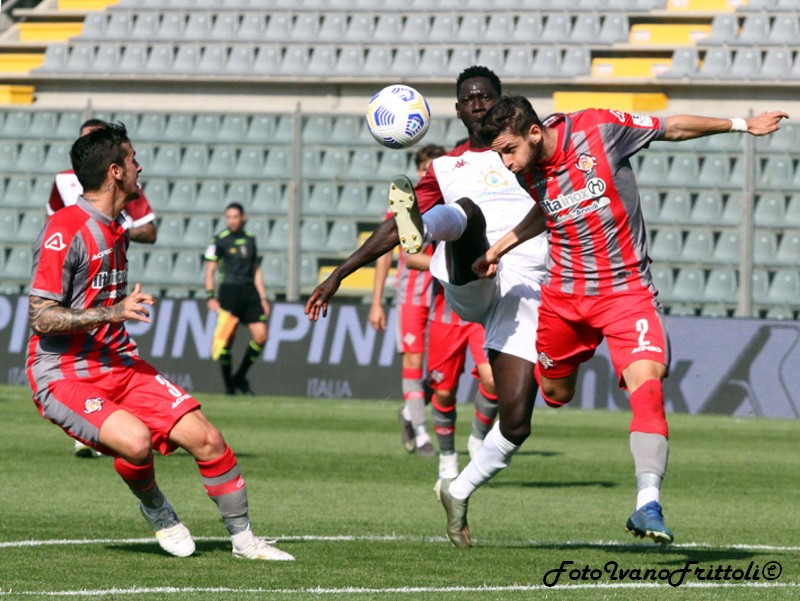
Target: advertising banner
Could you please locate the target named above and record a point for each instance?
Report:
(723, 366)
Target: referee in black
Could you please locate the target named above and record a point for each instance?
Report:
(241, 293)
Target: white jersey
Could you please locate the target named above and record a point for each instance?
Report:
(481, 176)
(508, 304)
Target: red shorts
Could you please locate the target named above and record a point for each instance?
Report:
(411, 322)
(447, 352)
(81, 405)
(571, 327)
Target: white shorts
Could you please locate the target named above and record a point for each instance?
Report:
(507, 306)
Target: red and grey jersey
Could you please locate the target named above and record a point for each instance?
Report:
(479, 174)
(414, 287)
(79, 261)
(67, 188)
(588, 192)
(441, 311)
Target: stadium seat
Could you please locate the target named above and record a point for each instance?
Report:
(689, 285)
(119, 25)
(343, 236)
(314, 234)
(724, 30)
(698, 246)
(415, 30)
(746, 64)
(777, 63)
(499, 29)
(308, 271)
(732, 212)
(667, 244)
(210, 197)
(30, 158)
(388, 28)
(213, 60)
(711, 309)
(278, 238)
(663, 280)
(157, 268)
(170, 230)
(250, 162)
(614, 30)
(393, 163)
(69, 123)
(333, 27)
(528, 29)
(270, 198)
(94, 26)
(556, 28)
(780, 312)
(352, 200)
(172, 26)
(157, 191)
(707, 209)
(187, 269)
(727, 249)
(55, 59)
(778, 173)
(765, 245)
(348, 130)
(676, 207)
(770, 210)
(546, 62)
(222, 161)
(755, 30)
(360, 28)
(198, 233)
(685, 63)
(57, 157)
(652, 170)
(492, 57)
(187, 59)
(721, 286)
(716, 64)
(232, 128)
(577, 60)
(586, 27)
(760, 285)
(320, 199)
(225, 27)
(350, 61)
(152, 126)
(519, 61)
(273, 266)
(144, 27)
(18, 265)
(252, 27)
(788, 251)
(198, 26)
(182, 196)
(9, 150)
(792, 216)
(650, 201)
(194, 163)
(715, 172)
(166, 161)
(433, 61)
(18, 192)
(322, 60)
(784, 288)
(378, 60)
(160, 58)
(241, 192)
(43, 124)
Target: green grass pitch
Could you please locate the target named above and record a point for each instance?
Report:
(332, 480)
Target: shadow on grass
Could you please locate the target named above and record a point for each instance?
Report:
(581, 484)
(152, 548)
(658, 554)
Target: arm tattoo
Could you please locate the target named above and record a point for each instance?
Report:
(47, 317)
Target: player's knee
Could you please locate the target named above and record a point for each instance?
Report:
(136, 448)
(514, 426)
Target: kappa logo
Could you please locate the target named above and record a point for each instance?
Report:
(459, 164)
(55, 242)
(436, 376)
(545, 361)
(409, 339)
(240, 482)
(92, 405)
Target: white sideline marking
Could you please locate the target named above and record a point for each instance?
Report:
(373, 591)
(404, 538)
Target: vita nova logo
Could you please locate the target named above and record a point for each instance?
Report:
(595, 188)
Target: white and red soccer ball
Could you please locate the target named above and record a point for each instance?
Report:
(398, 116)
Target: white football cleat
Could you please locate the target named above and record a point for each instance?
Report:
(448, 466)
(171, 534)
(473, 444)
(261, 549)
(176, 540)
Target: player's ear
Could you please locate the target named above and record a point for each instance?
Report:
(535, 133)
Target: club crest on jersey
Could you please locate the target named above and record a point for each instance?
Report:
(409, 339)
(92, 405)
(545, 361)
(494, 179)
(436, 376)
(586, 162)
(55, 242)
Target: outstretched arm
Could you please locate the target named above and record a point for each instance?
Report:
(382, 240)
(48, 318)
(533, 224)
(688, 127)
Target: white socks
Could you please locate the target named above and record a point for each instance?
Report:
(444, 222)
(494, 455)
(648, 486)
(242, 540)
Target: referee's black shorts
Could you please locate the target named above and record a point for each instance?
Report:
(243, 301)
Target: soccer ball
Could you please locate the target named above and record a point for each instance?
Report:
(398, 116)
